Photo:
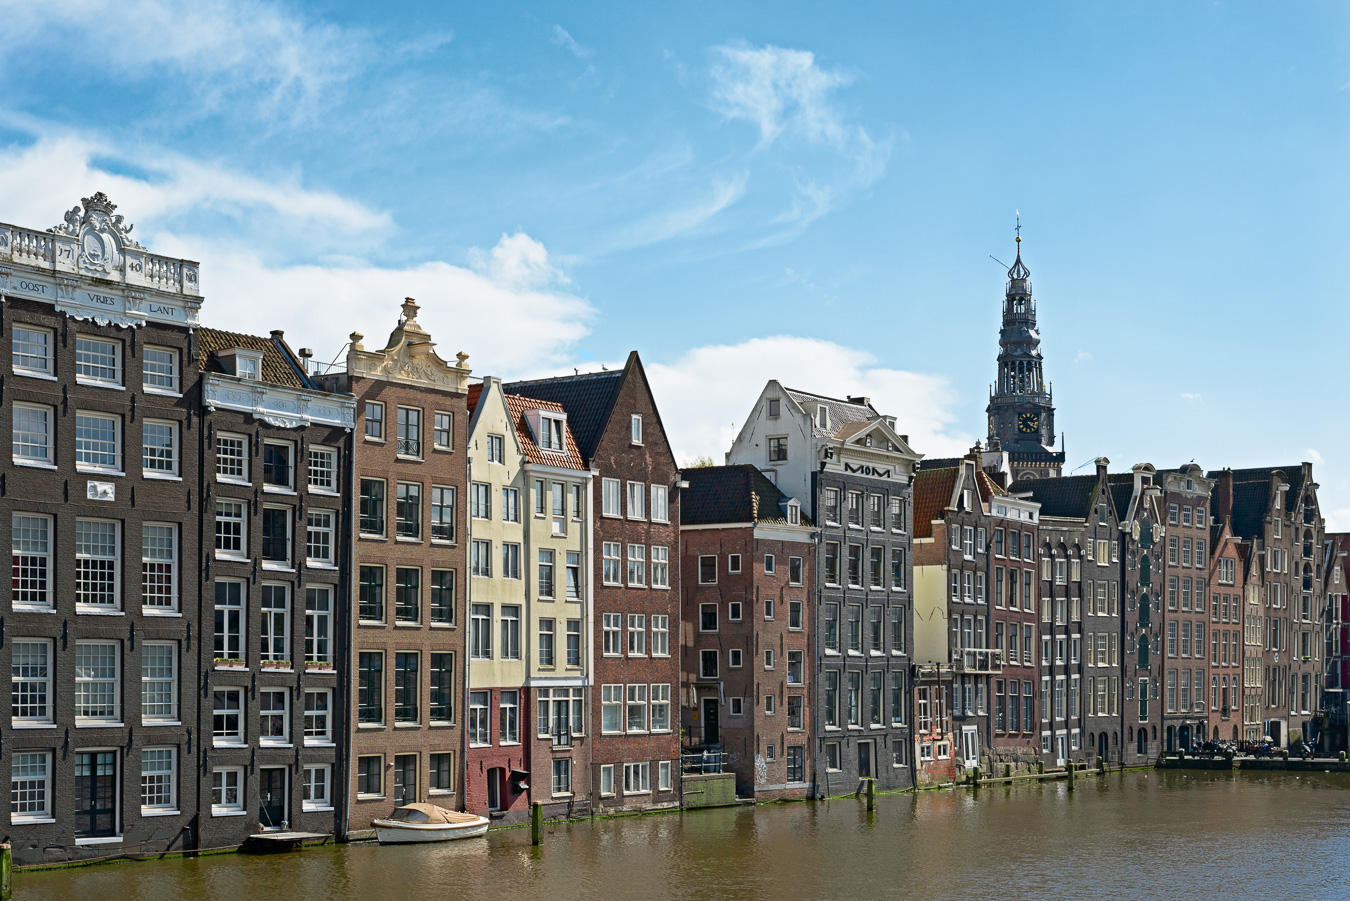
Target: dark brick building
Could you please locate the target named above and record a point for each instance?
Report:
(748, 556)
(636, 662)
(99, 507)
(1137, 502)
(274, 642)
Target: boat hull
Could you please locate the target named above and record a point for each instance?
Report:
(395, 833)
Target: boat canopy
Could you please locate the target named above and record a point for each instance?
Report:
(432, 815)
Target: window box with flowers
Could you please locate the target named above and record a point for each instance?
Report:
(230, 663)
(276, 664)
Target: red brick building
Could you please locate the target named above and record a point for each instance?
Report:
(747, 554)
(1226, 630)
(636, 620)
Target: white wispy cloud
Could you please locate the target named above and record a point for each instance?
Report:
(1082, 357)
(243, 48)
(324, 290)
(62, 168)
(785, 94)
(559, 36)
(1189, 396)
(681, 219)
(706, 393)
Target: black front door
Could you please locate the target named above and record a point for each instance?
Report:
(95, 793)
(712, 732)
(865, 760)
(272, 797)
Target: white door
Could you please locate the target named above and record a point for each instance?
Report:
(1061, 749)
(970, 746)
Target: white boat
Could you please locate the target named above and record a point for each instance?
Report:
(428, 823)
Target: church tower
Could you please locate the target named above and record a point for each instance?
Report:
(1021, 405)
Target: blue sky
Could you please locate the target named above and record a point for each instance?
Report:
(744, 192)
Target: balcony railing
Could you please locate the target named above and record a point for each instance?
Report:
(409, 447)
(702, 761)
(562, 738)
(977, 660)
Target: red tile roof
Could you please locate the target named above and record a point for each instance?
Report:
(519, 406)
(932, 493)
(475, 392)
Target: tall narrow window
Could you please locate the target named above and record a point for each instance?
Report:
(96, 562)
(229, 622)
(31, 680)
(406, 681)
(98, 441)
(97, 681)
(159, 447)
(31, 558)
(276, 617)
(372, 507)
(370, 594)
(442, 688)
(442, 513)
(33, 434)
(159, 682)
(442, 597)
(318, 625)
(32, 350)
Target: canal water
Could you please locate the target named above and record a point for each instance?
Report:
(1133, 836)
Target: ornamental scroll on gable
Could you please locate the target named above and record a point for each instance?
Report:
(408, 357)
(101, 235)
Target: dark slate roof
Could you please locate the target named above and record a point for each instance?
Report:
(1121, 486)
(938, 462)
(841, 411)
(588, 399)
(280, 366)
(1250, 500)
(932, 493)
(731, 494)
(1071, 497)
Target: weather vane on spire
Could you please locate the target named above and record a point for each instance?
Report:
(1018, 229)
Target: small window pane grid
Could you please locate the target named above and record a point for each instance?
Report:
(272, 719)
(442, 514)
(318, 625)
(407, 595)
(318, 716)
(96, 443)
(157, 778)
(442, 610)
(32, 434)
(30, 785)
(159, 369)
(232, 457)
(96, 559)
(31, 681)
(96, 680)
(159, 563)
(229, 621)
(159, 681)
(319, 536)
(227, 715)
(32, 350)
(31, 561)
(97, 361)
(323, 469)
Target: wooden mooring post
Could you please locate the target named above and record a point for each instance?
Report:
(6, 872)
(536, 823)
(870, 786)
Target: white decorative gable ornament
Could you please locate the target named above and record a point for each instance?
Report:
(100, 234)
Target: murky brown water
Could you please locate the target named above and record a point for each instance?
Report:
(1132, 836)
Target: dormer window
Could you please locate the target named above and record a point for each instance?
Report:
(793, 511)
(242, 363)
(822, 417)
(551, 434)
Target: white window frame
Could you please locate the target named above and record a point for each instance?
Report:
(90, 417)
(85, 559)
(635, 428)
(155, 556)
(115, 381)
(40, 785)
(228, 774)
(37, 561)
(660, 507)
(317, 776)
(242, 477)
(149, 684)
(611, 496)
(152, 459)
(284, 739)
(234, 739)
(48, 344)
(173, 389)
(322, 737)
(660, 566)
(114, 718)
(322, 461)
(35, 684)
(637, 501)
(170, 806)
(330, 530)
(47, 457)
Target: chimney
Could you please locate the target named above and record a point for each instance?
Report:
(1221, 500)
(1102, 463)
(863, 401)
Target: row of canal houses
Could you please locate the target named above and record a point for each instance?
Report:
(322, 592)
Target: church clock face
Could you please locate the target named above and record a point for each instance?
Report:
(1028, 423)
